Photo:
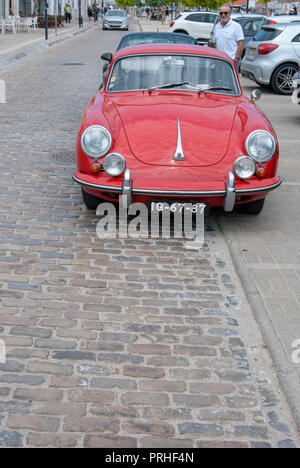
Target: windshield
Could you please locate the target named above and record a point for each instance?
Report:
(115, 13)
(150, 39)
(187, 72)
(267, 34)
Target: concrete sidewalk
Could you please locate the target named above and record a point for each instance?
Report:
(14, 47)
(152, 25)
(22, 44)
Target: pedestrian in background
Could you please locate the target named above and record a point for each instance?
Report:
(229, 36)
(96, 13)
(167, 16)
(68, 13)
(90, 13)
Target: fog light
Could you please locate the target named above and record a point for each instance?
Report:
(244, 167)
(114, 164)
(95, 168)
(261, 172)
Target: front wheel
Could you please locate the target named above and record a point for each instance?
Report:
(90, 201)
(254, 207)
(282, 78)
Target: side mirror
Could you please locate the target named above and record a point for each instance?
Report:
(107, 56)
(255, 95)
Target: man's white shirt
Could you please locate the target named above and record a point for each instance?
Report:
(227, 37)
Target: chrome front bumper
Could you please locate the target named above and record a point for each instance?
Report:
(229, 193)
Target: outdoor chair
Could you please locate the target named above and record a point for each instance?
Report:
(8, 24)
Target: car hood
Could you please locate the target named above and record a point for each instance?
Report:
(154, 126)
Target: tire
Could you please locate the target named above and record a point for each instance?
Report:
(282, 78)
(254, 207)
(90, 201)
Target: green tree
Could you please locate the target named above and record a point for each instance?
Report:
(156, 3)
(208, 4)
(264, 2)
(125, 3)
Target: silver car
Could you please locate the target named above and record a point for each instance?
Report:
(273, 56)
(115, 19)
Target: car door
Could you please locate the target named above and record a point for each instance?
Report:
(296, 45)
(192, 25)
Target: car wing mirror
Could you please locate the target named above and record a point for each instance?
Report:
(255, 95)
(107, 56)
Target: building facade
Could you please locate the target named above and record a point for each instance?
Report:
(37, 7)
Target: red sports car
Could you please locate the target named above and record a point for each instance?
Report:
(172, 125)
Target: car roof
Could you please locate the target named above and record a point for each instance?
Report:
(197, 12)
(295, 25)
(285, 18)
(249, 18)
(172, 49)
(247, 15)
(115, 10)
(155, 34)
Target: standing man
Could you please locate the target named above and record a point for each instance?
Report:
(68, 13)
(229, 36)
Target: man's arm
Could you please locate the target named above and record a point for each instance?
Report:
(239, 51)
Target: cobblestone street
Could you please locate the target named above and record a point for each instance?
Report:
(115, 343)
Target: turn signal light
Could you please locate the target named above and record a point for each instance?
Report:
(261, 172)
(95, 168)
(265, 49)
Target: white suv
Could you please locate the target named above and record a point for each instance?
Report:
(197, 24)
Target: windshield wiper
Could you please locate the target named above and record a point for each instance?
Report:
(169, 85)
(215, 88)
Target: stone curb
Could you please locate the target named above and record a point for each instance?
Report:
(5, 63)
(285, 371)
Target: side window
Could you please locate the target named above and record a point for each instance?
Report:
(212, 18)
(256, 25)
(201, 18)
(192, 18)
(296, 38)
(252, 26)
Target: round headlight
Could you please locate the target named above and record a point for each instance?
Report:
(260, 145)
(96, 141)
(244, 167)
(114, 164)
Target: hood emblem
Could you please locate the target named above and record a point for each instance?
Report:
(179, 156)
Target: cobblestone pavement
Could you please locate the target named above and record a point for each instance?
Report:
(124, 343)
(269, 245)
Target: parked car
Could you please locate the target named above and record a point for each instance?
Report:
(151, 37)
(273, 55)
(147, 37)
(251, 24)
(282, 19)
(115, 19)
(198, 24)
(172, 123)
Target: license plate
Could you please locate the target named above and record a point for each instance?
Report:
(177, 207)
